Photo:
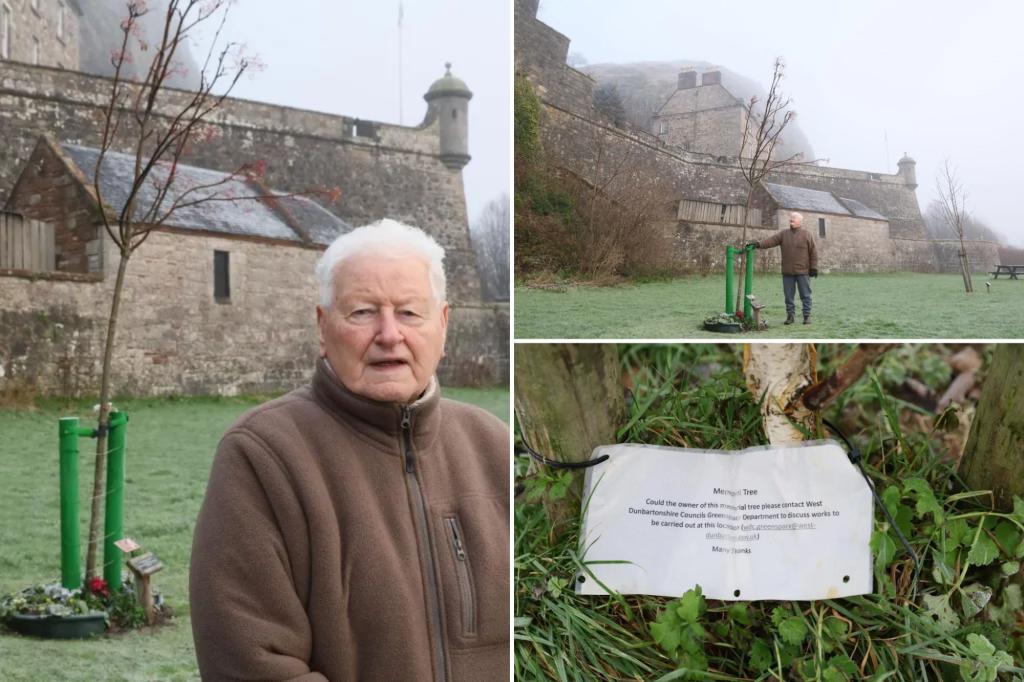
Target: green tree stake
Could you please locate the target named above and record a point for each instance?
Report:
(730, 304)
(748, 286)
(70, 561)
(114, 513)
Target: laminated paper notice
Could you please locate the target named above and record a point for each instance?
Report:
(786, 522)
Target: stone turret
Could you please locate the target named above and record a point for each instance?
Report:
(908, 169)
(449, 99)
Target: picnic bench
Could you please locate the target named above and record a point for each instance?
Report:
(1011, 270)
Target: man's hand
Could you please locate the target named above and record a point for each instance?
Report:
(814, 272)
(749, 244)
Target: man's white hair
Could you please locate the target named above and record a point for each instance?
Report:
(798, 216)
(383, 238)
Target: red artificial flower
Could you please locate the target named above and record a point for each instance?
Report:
(99, 586)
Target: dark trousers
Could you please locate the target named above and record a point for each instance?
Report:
(790, 283)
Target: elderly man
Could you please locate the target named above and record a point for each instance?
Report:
(357, 528)
(799, 260)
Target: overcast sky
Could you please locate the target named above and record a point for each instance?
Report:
(342, 58)
(939, 78)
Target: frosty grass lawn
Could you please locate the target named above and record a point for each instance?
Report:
(170, 448)
(848, 306)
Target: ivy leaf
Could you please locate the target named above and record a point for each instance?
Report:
(793, 630)
(884, 549)
(926, 502)
(761, 656)
(985, 667)
(1006, 614)
(1007, 536)
(666, 635)
(942, 571)
(691, 605)
(940, 613)
(891, 499)
(974, 598)
(837, 628)
(556, 585)
(738, 612)
(958, 532)
(1018, 510)
(840, 669)
(983, 552)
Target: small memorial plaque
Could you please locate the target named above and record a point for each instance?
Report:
(145, 565)
(126, 545)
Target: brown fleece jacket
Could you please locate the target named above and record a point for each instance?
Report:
(347, 539)
(799, 254)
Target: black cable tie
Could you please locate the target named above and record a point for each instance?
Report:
(556, 464)
(103, 430)
(855, 459)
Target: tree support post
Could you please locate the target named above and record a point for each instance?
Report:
(730, 303)
(748, 285)
(114, 511)
(70, 562)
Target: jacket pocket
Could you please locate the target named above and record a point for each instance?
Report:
(463, 574)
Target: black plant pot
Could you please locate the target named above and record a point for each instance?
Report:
(78, 626)
(723, 327)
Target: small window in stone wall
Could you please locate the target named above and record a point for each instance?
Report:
(60, 19)
(821, 227)
(221, 277)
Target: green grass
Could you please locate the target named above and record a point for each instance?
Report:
(848, 306)
(695, 395)
(170, 449)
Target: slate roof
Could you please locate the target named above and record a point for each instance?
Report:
(800, 198)
(248, 217)
(860, 210)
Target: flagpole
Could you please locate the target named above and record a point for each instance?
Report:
(401, 120)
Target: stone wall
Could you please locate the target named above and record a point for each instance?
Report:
(540, 53)
(388, 171)
(174, 338)
(35, 33)
(383, 171)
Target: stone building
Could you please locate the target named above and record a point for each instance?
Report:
(219, 300)
(408, 173)
(875, 218)
(702, 117)
(42, 32)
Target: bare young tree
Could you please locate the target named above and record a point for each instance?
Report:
(159, 130)
(762, 130)
(952, 201)
(491, 243)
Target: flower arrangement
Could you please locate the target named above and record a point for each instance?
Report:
(121, 609)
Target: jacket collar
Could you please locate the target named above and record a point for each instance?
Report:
(379, 421)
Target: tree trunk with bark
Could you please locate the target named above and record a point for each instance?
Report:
(777, 374)
(569, 400)
(98, 488)
(993, 458)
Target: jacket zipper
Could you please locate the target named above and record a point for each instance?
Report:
(462, 573)
(419, 505)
